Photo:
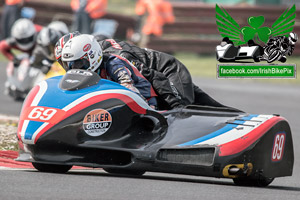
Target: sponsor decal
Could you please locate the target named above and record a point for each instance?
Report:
(91, 54)
(87, 47)
(72, 81)
(80, 72)
(278, 147)
(97, 122)
(99, 59)
(114, 44)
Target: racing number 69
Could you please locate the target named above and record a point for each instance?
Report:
(278, 147)
(42, 113)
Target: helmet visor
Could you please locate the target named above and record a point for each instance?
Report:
(25, 40)
(79, 64)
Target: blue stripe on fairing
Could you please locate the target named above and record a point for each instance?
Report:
(221, 131)
(57, 98)
(32, 127)
(248, 117)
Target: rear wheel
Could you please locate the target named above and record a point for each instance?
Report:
(52, 168)
(260, 182)
(124, 171)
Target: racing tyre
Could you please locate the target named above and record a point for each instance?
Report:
(52, 168)
(256, 59)
(124, 171)
(273, 56)
(260, 182)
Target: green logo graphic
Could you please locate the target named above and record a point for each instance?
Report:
(228, 27)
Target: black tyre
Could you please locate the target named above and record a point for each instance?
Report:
(52, 168)
(260, 182)
(282, 59)
(256, 59)
(124, 171)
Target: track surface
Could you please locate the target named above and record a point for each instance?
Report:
(249, 96)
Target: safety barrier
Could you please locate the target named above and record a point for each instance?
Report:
(195, 29)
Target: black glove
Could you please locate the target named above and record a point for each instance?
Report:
(16, 62)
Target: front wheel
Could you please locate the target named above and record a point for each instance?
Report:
(259, 182)
(52, 168)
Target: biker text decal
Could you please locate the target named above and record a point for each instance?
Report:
(97, 122)
(278, 147)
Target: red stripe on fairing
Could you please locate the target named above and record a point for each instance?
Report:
(96, 99)
(27, 104)
(244, 142)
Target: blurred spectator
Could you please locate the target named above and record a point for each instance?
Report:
(85, 11)
(11, 12)
(159, 12)
(23, 38)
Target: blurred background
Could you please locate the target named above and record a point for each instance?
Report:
(192, 37)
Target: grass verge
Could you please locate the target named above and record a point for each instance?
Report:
(8, 138)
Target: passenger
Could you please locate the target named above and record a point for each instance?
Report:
(84, 52)
(169, 77)
(23, 38)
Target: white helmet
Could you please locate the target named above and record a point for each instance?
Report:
(24, 32)
(59, 26)
(82, 52)
(293, 37)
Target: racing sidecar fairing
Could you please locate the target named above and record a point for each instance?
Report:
(80, 119)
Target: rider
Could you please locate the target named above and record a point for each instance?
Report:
(84, 52)
(23, 38)
(43, 53)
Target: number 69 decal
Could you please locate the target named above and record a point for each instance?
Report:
(278, 147)
(43, 114)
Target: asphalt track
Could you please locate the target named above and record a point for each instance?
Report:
(248, 95)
